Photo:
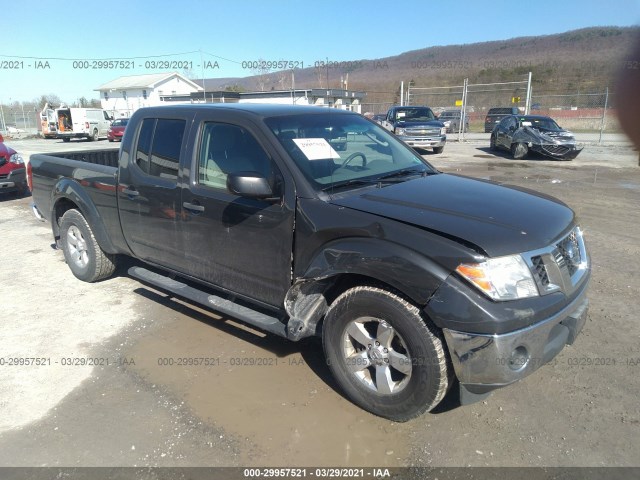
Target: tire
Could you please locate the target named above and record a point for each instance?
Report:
(402, 371)
(87, 261)
(519, 150)
(492, 143)
(438, 149)
(94, 137)
(111, 139)
(66, 139)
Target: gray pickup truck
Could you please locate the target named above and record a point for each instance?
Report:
(418, 127)
(411, 277)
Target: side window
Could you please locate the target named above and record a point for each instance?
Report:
(228, 149)
(165, 153)
(144, 144)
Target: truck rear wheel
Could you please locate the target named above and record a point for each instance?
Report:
(85, 258)
(438, 149)
(384, 355)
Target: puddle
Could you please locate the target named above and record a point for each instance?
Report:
(275, 395)
(514, 164)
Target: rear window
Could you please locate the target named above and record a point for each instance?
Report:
(159, 145)
(503, 111)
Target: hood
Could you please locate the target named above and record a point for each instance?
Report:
(554, 135)
(5, 150)
(5, 154)
(497, 220)
(408, 124)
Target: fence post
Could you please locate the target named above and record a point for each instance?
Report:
(527, 103)
(604, 114)
(402, 93)
(463, 111)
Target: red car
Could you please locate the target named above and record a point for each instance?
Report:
(116, 130)
(12, 172)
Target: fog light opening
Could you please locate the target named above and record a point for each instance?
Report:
(519, 358)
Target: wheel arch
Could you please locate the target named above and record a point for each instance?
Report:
(377, 261)
(69, 194)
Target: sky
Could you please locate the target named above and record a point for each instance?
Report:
(61, 50)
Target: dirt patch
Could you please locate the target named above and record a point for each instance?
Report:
(275, 395)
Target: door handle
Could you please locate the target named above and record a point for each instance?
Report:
(130, 193)
(194, 208)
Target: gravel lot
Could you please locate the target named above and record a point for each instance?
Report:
(130, 410)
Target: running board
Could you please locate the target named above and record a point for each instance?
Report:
(244, 314)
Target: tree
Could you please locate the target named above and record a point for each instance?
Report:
(52, 99)
(82, 102)
(261, 72)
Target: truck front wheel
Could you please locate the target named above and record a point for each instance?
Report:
(438, 149)
(85, 258)
(384, 355)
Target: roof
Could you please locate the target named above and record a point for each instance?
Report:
(143, 81)
(260, 109)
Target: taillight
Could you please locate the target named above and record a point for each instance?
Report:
(29, 176)
(86, 125)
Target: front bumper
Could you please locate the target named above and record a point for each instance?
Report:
(426, 142)
(16, 179)
(485, 362)
(566, 151)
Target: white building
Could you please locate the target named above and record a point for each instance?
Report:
(123, 96)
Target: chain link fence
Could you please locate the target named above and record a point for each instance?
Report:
(576, 111)
(579, 112)
(18, 119)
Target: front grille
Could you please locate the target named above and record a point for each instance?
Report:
(540, 271)
(569, 251)
(556, 150)
(422, 132)
(560, 266)
(4, 176)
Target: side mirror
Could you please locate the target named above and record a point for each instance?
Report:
(249, 184)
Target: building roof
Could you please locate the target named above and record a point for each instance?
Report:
(143, 81)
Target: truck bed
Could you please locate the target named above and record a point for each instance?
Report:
(107, 157)
(94, 170)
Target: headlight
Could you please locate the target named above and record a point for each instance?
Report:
(399, 131)
(17, 159)
(502, 278)
(443, 131)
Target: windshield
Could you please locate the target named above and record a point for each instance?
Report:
(540, 123)
(414, 114)
(121, 122)
(334, 150)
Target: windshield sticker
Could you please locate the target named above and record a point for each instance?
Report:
(526, 124)
(316, 148)
(401, 114)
